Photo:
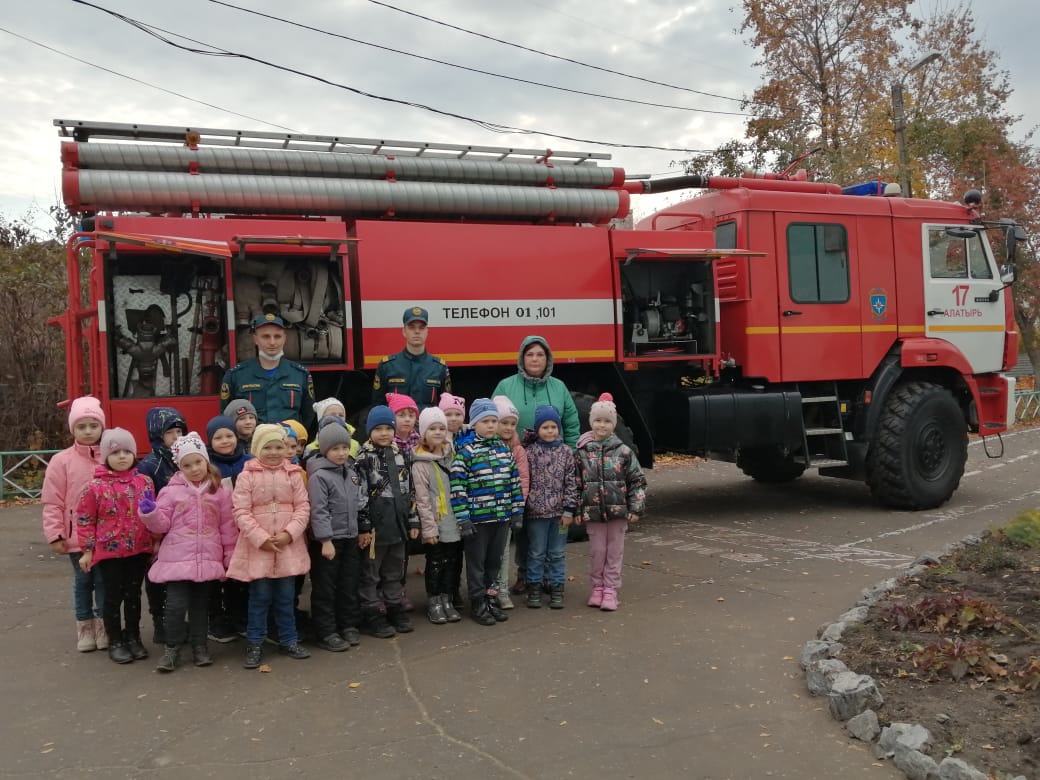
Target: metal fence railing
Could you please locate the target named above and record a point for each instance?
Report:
(21, 473)
(1027, 405)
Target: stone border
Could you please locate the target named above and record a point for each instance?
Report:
(853, 698)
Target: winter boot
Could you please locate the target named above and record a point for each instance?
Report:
(534, 596)
(504, 602)
(596, 597)
(254, 654)
(120, 653)
(86, 639)
(334, 643)
(377, 625)
(136, 647)
(406, 603)
(610, 600)
(556, 597)
(481, 613)
(168, 662)
(200, 655)
(100, 635)
(295, 650)
(520, 586)
(435, 610)
(351, 635)
(399, 619)
(450, 612)
(495, 609)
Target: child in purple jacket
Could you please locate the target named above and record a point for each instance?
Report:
(194, 513)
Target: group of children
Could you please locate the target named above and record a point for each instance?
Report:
(221, 532)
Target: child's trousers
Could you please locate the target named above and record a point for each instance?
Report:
(484, 551)
(546, 550)
(335, 587)
(88, 591)
(607, 549)
(123, 578)
(442, 560)
(192, 598)
(383, 574)
(272, 594)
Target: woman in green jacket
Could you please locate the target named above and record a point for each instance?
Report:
(534, 385)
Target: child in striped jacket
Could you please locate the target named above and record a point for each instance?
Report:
(486, 499)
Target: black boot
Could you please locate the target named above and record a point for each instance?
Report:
(119, 652)
(450, 612)
(435, 610)
(399, 619)
(136, 647)
(377, 625)
(534, 596)
(200, 655)
(496, 609)
(254, 654)
(556, 597)
(481, 613)
(168, 662)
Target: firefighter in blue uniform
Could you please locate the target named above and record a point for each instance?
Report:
(413, 371)
(278, 388)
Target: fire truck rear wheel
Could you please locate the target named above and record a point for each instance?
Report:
(769, 464)
(917, 458)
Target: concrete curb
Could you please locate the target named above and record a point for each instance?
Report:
(853, 698)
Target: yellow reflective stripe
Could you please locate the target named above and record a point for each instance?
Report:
(768, 330)
(967, 328)
(764, 330)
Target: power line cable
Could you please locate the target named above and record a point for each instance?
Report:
(545, 85)
(142, 82)
(600, 68)
(216, 51)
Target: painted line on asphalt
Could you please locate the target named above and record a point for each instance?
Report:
(936, 518)
(719, 542)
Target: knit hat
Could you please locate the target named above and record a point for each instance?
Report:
(238, 407)
(544, 414)
(604, 407)
(428, 417)
(331, 435)
(116, 439)
(399, 401)
(264, 435)
(380, 415)
(506, 408)
(449, 401)
(321, 408)
(84, 407)
(219, 423)
(298, 431)
(330, 419)
(481, 408)
(190, 444)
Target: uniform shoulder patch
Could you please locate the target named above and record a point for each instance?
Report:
(386, 358)
(440, 360)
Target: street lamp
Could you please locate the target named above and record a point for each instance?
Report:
(900, 120)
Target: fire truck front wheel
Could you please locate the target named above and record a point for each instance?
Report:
(769, 464)
(917, 457)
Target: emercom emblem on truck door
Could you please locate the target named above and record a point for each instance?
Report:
(959, 308)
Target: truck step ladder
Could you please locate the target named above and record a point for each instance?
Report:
(823, 435)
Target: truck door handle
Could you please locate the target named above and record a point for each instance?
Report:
(934, 312)
(790, 313)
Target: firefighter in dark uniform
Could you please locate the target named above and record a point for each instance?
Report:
(278, 388)
(413, 371)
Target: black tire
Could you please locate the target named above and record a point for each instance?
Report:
(583, 402)
(917, 456)
(769, 464)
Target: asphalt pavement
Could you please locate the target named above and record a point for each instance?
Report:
(695, 676)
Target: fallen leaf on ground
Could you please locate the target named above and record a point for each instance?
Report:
(265, 668)
(648, 563)
(354, 685)
(658, 722)
(720, 599)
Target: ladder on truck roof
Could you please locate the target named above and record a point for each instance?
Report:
(83, 131)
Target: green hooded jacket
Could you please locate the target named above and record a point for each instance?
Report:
(528, 392)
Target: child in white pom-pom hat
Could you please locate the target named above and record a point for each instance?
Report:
(612, 494)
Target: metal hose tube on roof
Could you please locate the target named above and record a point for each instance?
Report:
(230, 194)
(277, 162)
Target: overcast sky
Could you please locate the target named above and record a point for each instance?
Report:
(689, 44)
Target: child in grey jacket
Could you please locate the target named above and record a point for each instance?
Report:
(337, 496)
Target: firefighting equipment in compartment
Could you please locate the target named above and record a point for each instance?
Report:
(149, 344)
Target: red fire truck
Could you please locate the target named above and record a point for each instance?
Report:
(778, 323)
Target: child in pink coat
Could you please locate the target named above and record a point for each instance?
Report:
(272, 511)
(67, 476)
(194, 513)
(115, 541)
